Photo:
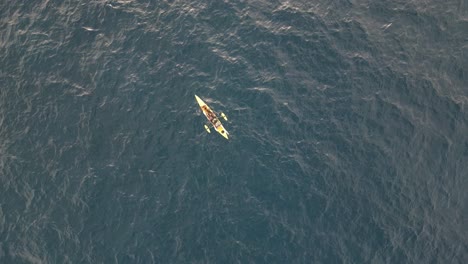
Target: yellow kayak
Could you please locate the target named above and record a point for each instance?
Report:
(211, 116)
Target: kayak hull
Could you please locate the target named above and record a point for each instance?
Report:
(211, 116)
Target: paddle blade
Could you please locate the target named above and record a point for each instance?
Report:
(224, 116)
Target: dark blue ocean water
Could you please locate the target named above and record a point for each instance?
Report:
(348, 123)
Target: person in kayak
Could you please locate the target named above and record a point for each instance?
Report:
(211, 115)
(216, 122)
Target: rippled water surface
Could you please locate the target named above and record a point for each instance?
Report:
(348, 123)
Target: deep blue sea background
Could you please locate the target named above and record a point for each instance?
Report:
(348, 123)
